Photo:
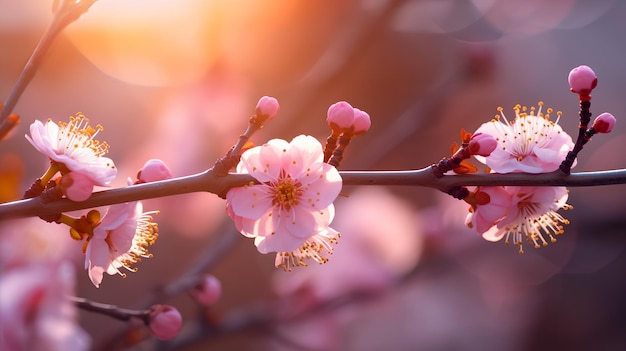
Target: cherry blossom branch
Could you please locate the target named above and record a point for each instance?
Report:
(211, 182)
(66, 13)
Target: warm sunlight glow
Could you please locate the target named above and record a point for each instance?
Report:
(147, 42)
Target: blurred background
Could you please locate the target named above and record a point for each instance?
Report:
(177, 80)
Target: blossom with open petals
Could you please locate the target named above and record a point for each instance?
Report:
(294, 200)
(532, 143)
(73, 147)
(531, 215)
(120, 239)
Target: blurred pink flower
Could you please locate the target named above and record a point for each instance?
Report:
(208, 291)
(72, 145)
(532, 143)
(35, 313)
(294, 201)
(531, 216)
(32, 240)
(165, 322)
(120, 239)
(373, 254)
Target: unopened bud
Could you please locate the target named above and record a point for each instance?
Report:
(482, 144)
(165, 322)
(208, 291)
(76, 186)
(582, 80)
(604, 123)
(267, 108)
(340, 116)
(154, 170)
(362, 122)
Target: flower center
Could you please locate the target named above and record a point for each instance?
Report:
(287, 193)
(79, 134)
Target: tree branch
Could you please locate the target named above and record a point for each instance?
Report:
(210, 182)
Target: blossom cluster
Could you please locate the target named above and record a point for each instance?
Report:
(120, 237)
(289, 212)
(531, 143)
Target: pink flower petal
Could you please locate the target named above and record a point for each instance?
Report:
(494, 234)
(303, 157)
(250, 202)
(276, 243)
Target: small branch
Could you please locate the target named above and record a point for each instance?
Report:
(109, 310)
(219, 185)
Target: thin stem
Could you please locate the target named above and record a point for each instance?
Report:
(219, 185)
(66, 14)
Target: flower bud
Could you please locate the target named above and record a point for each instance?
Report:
(267, 108)
(362, 122)
(340, 116)
(164, 322)
(208, 291)
(604, 123)
(154, 170)
(582, 80)
(76, 186)
(482, 144)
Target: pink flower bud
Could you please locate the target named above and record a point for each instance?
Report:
(267, 108)
(340, 116)
(482, 144)
(164, 322)
(208, 291)
(76, 186)
(154, 170)
(604, 123)
(582, 80)
(362, 122)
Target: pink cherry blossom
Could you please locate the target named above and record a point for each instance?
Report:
(165, 322)
(531, 216)
(582, 80)
(154, 170)
(120, 239)
(267, 108)
(604, 123)
(294, 201)
(35, 313)
(73, 145)
(532, 143)
(489, 205)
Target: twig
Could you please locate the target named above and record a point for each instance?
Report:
(109, 310)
